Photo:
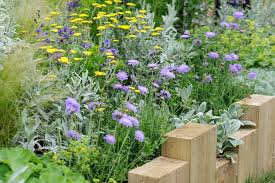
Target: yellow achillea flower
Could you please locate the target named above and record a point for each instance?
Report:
(86, 22)
(53, 25)
(61, 50)
(140, 16)
(124, 27)
(52, 50)
(83, 15)
(108, 2)
(120, 13)
(137, 91)
(98, 34)
(111, 57)
(100, 109)
(127, 12)
(132, 88)
(117, 1)
(99, 73)
(109, 53)
(118, 8)
(59, 27)
(76, 20)
(113, 62)
(134, 20)
(155, 33)
(45, 47)
(87, 53)
(76, 59)
(230, 19)
(147, 27)
(48, 19)
(115, 40)
(77, 34)
(101, 28)
(55, 13)
(111, 15)
(54, 30)
(143, 31)
(131, 36)
(131, 4)
(157, 47)
(73, 51)
(142, 11)
(74, 27)
(158, 29)
(73, 14)
(64, 60)
(143, 23)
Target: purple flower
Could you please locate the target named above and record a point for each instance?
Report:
(134, 121)
(157, 83)
(110, 139)
(166, 73)
(72, 5)
(187, 32)
(183, 69)
(122, 76)
(125, 121)
(92, 106)
(231, 57)
(207, 79)
(197, 42)
(116, 115)
(233, 25)
(143, 90)
(213, 55)
(252, 75)
(133, 62)
(210, 34)
(107, 43)
(131, 107)
(165, 94)
(72, 106)
(238, 15)
(153, 66)
(235, 68)
(139, 135)
(73, 135)
(86, 45)
(184, 36)
(224, 24)
(121, 87)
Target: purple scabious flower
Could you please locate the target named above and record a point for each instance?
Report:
(153, 66)
(86, 45)
(73, 135)
(165, 94)
(117, 115)
(131, 107)
(72, 5)
(233, 25)
(213, 55)
(184, 36)
(224, 24)
(72, 106)
(143, 90)
(122, 76)
(133, 62)
(157, 83)
(125, 121)
(133, 120)
(107, 43)
(207, 79)
(166, 73)
(197, 42)
(210, 34)
(110, 139)
(252, 75)
(238, 15)
(231, 57)
(121, 87)
(139, 135)
(183, 69)
(187, 32)
(235, 68)
(92, 106)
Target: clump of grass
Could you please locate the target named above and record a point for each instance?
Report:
(17, 70)
(268, 178)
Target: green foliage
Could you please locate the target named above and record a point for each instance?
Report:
(20, 165)
(267, 178)
(18, 70)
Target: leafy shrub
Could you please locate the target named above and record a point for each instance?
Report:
(20, 165)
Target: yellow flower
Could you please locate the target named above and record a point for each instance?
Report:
(109, 53)
(131, 4)
(143, 23)
(113, 62)
(143, 31)
(142, 11)
(137, 91)
(109, 2)
(120, 13)
(74, 27)
(158, 29)
(98, 34)
(86, 22)
(100, 109)
(147, 27)
(48, 19)
(157, 47)
(127, 12)
(73, 14)
(131, 36)
(77, 34)
(124, 27)
(73, 51)
(55, 13)
(59, 27)
(54, 30)
(115, 40)
(230, 18)
(76, 59)
(99, 73)
(132, 88)
(45, 47)
(87, 53)
(83, 15)
(61, 50)
(133, 20)
(111, 57)
(117, 1)
(64, 60)
(140, 16)
(76, 20)
(53, 25)
(52, 50)
(155, 33)
(118, 8)
(101, 28)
